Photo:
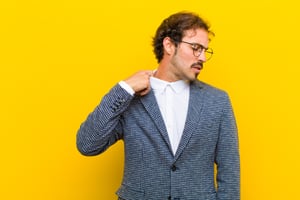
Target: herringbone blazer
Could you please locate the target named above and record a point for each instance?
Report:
(151, 170)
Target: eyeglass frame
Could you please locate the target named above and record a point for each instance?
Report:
(201, 48)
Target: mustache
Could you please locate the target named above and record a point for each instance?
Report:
(199, 63)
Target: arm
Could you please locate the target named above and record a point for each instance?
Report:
(103, 127)
(227, 157)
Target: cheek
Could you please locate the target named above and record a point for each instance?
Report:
(187, 60)
(184, 57)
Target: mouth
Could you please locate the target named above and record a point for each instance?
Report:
(197, 66)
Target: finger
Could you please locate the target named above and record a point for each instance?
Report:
(145, 91)
(149, 73)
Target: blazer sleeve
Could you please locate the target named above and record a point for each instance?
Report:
(227, 156)
(103, 126)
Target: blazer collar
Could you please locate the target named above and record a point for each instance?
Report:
(193, 115)
(151, 106)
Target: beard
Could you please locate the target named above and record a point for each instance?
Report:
(184, 71)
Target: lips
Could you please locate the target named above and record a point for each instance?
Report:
(198, 66)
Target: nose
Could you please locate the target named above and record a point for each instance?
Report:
(202, 57)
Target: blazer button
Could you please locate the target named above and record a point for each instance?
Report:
(173, 168)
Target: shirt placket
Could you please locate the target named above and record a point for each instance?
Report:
(170, 116)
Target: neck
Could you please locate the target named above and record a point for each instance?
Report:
(165, 73)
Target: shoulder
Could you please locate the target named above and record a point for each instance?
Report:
(210, 90)
(212, 96)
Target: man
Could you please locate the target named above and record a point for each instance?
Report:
(174, 127)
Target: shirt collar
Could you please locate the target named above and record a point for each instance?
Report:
(160, 85)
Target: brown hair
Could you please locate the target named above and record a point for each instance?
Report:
(174, 27)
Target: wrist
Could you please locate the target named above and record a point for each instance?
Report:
(127, 87)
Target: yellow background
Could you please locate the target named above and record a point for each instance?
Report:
(59, 57)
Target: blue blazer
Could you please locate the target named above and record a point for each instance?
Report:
(151, 171)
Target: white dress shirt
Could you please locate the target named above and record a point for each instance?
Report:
(172, 99)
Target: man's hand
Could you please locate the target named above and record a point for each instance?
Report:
(140, 82)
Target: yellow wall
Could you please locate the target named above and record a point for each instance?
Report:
(59, 57)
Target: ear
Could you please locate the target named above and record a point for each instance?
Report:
(169, 46)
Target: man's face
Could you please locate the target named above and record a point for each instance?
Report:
(184, 64)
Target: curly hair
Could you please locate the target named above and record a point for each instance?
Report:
(174, 27)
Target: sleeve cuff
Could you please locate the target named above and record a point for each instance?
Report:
(126, 87)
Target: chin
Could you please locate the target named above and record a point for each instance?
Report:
(190, 77)
(194, 77)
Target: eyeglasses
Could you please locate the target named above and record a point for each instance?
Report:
(198, 49)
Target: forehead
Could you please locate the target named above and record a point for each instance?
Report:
(197, 35)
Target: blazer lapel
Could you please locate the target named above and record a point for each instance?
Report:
(151, 106)
(193, 115)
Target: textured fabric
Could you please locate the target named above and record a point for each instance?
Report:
(151, 171)
(172, 99)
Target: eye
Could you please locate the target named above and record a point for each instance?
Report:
(197, 47)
